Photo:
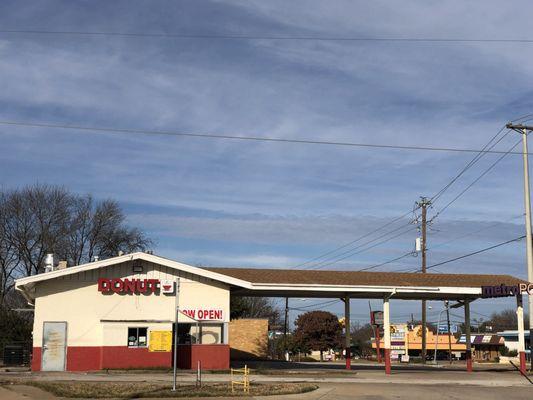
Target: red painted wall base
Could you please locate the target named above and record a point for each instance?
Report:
(387, 361)
(468, 356)
(523, 365)
(348, 358)
(36, 359)
(115, 357)
(118, 357)
(211, 356)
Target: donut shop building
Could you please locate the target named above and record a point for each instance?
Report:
(127, 311)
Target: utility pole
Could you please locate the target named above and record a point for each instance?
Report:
(286, 319)
(524, 130)
(285, 328)
(447, 303)
(423, 204)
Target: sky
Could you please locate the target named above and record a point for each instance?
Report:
(212, 202)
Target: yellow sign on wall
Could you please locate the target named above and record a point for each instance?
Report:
(160, 341)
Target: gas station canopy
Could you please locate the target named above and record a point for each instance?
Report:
(366, 285)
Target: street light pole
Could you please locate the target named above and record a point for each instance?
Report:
(437, 338)
(524, 130)
(176, 342)
(447, 304)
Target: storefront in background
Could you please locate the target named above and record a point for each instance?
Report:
(485, 347)
(406, 340)
(510, 340)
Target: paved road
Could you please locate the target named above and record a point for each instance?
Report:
(363, 391)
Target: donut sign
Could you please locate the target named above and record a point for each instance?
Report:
(136, 286)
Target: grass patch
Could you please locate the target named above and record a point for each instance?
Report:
(130, 390)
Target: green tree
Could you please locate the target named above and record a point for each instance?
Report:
(16, 327)
(318, 330)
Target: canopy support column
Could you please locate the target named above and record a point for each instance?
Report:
(521, 336)
(347, 344)
(468, 337)
(386, 334)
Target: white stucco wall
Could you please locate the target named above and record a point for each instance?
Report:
(97, 319)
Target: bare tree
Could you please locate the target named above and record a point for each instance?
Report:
(9, 260)
(361, 339)
(42, 219)
(99, 230)
(254, 307)
(35, 222)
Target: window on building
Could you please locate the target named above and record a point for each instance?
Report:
(187, 334)
(211, 333)
(200, 333)
(137, 337)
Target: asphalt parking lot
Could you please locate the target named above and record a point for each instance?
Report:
(371, 391)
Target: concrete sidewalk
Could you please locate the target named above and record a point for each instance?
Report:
(505, 378)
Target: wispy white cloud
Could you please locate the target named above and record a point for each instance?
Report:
(270, 204)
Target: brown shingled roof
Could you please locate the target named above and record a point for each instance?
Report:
(355, 278)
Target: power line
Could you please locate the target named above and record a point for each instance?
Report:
(282, 140)
(477, 252)
(482, 152)
(266, 37)
(356, 240)
(477, 179)
(483, 315)
(350, 253)
(358, 246)
(411, 253)
(471, 163)
(485, 150)
(317, 304)
(447, 186)
(475, 232)
(248, 138)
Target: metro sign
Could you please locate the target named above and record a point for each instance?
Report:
(506, 290)
(135, 286)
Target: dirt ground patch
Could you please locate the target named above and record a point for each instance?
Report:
(129, 390)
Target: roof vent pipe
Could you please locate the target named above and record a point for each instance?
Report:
(96, 258)
(49, 262)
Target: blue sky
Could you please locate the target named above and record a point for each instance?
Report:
(230, 203)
